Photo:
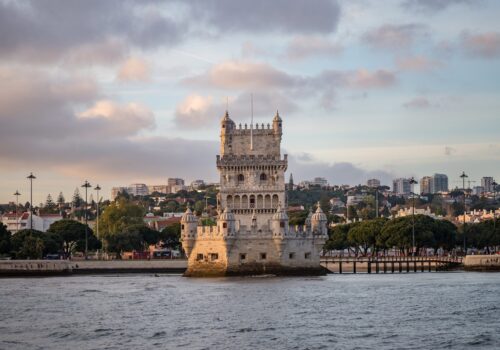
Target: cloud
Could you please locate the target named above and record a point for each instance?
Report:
(302, 47)
(242, 75)
(432, 5)
(124, 120)
(393, 37)
(197, 111)
(483, 45)
(418, 103)
(47, 31)
(305, 167)
(43, 126)
(417, 63)
(134, 69)
(299, 16)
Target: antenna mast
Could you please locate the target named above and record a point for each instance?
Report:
(251, 124)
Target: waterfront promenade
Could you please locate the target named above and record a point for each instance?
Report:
(74, 267)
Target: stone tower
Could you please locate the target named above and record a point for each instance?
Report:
(252, 235)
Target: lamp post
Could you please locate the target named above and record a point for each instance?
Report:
(97, 188)
(494, 184)
(86, 185)
(17, 194)
(412, 182)
(31, 177)
(464, 176)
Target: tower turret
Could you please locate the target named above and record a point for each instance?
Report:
(227, 126)
(318, 222)
(277, 125)
(227, 223)
(189, 226)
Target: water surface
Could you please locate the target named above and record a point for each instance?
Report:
(405, 311)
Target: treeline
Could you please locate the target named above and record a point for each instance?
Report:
(380, 235)
(121, 228)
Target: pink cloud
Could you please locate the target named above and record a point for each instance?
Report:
(417, 63)
(486, 45)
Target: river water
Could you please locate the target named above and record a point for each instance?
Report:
(402, 311)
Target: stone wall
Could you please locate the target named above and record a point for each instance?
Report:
(482, 263)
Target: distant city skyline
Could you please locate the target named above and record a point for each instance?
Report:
(366, 89)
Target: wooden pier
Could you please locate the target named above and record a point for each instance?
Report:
(390, 264)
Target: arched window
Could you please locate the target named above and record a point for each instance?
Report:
(241, 178)
(263, 177)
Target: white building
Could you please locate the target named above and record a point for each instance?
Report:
(41, 222)
(138, 190)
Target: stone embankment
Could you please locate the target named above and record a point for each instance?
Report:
(482, 263)
(13, 268)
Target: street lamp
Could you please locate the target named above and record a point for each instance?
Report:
(464, 176)
(31, 177)
(413, 182)
(17, 194)
(86, 185)
(97, 188)
(494, 184)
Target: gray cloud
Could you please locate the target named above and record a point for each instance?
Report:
(394, 37)
(433, 5)
(197, 111)
(449, 151)
(66, 126)
(47, 30)
(304, 167)
(299, 16)
(236, 75)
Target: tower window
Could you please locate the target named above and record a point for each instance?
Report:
(307, 256)
(182, 227)
(224, 225)
(199, 257)
(241, 178)
(243, 257)
(214, 256)
(291, 256)
(263, 177)
(282, 224)
(263, 256)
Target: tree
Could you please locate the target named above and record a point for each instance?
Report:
(49, 206)
(28, 244)
(5, 236)
(366, 234)
(171, 236)
(71, 235)
(199, 206)
(118, 215)
(297, 217)
(147, 235)
(77, 199)
(60, 199)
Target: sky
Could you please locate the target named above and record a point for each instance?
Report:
(119, 92)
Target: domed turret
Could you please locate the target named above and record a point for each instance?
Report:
(188, 216)
(279, 223)
(318, 221)
(189, 227)
(226, 223)
(226, 123)
(277, 123)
